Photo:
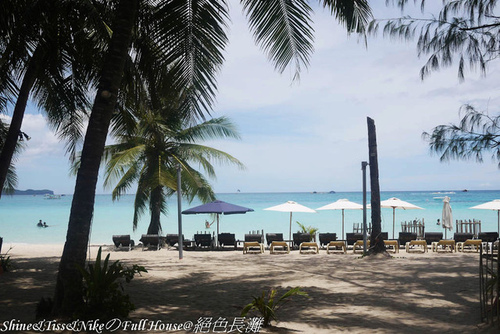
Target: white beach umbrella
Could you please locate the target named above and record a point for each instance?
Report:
(342, 204)
(291, 207)
(493, 205)
(447, 216)
(396, 203)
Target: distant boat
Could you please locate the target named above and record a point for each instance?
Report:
(49, 196)
(465, 190)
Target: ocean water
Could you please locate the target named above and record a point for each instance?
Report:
(20, 214)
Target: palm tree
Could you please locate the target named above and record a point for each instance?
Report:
(47, 55)
(11, 179)
(150, 158)
(190, 36)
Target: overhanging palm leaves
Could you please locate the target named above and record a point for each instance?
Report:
(476, 133)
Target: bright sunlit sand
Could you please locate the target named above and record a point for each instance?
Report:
(410, 293)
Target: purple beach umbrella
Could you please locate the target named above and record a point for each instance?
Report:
(219, 208)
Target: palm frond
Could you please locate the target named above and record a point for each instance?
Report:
(282, 28)
(476, 133)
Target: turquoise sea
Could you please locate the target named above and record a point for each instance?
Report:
(20, 214)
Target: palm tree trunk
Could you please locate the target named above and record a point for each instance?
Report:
(376, 242)
(155, 208)
(68, 294)
(9, 146)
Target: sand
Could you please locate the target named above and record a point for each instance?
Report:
(409, 293)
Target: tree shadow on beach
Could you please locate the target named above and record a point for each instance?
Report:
(346, 293)
(416, 300)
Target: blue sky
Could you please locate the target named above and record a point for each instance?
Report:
(311, 135)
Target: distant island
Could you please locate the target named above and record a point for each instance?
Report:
(33, 192)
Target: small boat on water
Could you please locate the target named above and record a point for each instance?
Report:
(51, 196)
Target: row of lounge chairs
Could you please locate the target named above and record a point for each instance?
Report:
(303, 242)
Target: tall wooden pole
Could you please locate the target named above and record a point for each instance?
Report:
(376, 242)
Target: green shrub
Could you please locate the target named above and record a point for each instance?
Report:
(267, 304)
(103, 292)
(309, 230)
(5, 262)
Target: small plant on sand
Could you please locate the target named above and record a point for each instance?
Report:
(5, 262)
(309, 230)
(104, 296)
(267, 304)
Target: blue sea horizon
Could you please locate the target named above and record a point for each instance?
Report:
(19, 214)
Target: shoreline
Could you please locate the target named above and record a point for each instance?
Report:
(409, 293)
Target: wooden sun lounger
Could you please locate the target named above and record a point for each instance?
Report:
(250, 246)
(309, 246)
(359, 244)
(392, 244)
(422, 244)
(473, 245)
(335, 245)
(279, 244)
(444, 244)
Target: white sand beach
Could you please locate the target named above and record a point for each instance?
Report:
(409, 293)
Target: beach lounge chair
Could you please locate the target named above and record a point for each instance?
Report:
(308, 247)
(359, 245)
(335, 246)
(444, 245)
(473, 245)
(326, 238)
(253, 242)
(416, 245)
(172, 239)
(431, 237)
(351, 238)
(405, 237)
(203, 240)
(227, 239)
(253, 247)
(279, 247)
(270, 237)
(462, 237)
(253, 237)
(123, 241)
(489, 239)
(150, 241)
(299, 238)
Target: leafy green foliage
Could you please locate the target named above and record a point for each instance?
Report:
(477, 132)
(466, 30)
(6, 262)
(267, 303)
(309, 229)
(104, 296)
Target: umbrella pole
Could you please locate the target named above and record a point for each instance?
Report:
(217, 239)
(393, 221)
(290, 231)
(498, 211)
(343, 224)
